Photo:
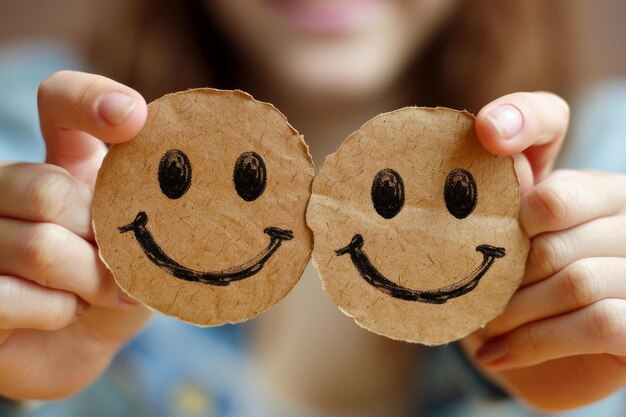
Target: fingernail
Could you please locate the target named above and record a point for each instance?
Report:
(127, 299)
(492, 351)
(81, 307)
(506, 119)
(115, 107)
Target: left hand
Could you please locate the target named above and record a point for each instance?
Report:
(561, 341)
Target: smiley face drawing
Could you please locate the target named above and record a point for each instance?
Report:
(202, 215)
(415, 226)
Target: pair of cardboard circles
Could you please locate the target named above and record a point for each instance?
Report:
(210, 214)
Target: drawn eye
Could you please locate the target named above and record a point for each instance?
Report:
(388, 193)
(174, 174)
(460, 193)
(250, 176)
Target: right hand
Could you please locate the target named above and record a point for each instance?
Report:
(62, 316)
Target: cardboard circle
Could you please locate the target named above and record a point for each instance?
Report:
(202, 215)
(416, 226)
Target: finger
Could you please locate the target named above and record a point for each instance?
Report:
(4, 335)
(46, 193)
(524, 173)
(598, 328)
(578, 285)
(570, 198)
(570, 382)
(31, 360)
(533, 123)
(75, 108)
(114, 326)
(53, 257)
(551, 252)
(25, 305)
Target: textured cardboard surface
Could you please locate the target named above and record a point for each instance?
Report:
(418, 271)
(207, 256)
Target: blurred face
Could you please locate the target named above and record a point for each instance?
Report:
(330, 47)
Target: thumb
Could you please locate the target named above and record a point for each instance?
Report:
(530, 126)
(77, 111)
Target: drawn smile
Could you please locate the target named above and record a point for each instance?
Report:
(222, 278)
(435, 296)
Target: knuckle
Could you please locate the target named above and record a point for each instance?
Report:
(49, 83)
(531, 342)
(557, 101)
(607, 322)
(580, 284)
(54, 312)
(562, 104)
(45, 85)
(546, 113)
(47, 313)
(42, 245)
(83, 100)
(552, 202)
(56, 316)
(529, 106)
(7, 299)
(546, 253)
(48, 194)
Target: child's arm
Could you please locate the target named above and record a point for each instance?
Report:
(62, 317)
(562, 339)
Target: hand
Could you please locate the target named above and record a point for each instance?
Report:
(62, 317)
(561, 341)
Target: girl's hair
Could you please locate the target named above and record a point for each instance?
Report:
(487, 49)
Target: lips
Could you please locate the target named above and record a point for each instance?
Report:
(220, 278)
(327, 17)
(435, 296)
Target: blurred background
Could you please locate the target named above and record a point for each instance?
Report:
(75, 23)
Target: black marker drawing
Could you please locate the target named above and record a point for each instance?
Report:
(388, 193)
(435, 296)
(174, 174)
(460, 193)
(221, 278)
(460, 196)
(250, 176)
